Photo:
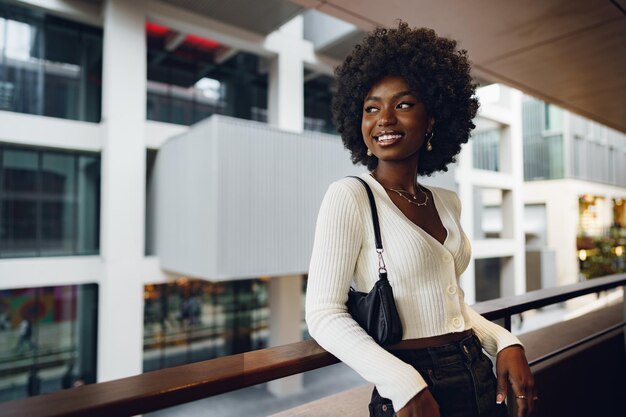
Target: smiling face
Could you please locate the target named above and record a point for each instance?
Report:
(395, 121)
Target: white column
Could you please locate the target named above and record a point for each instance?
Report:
(513, 273)
(120, 321)
(568, 155)
(285, 110)
(285, 300)
(285, 107)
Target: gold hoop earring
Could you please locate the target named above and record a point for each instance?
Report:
(369, 153)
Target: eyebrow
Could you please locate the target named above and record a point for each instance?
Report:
(397, 95)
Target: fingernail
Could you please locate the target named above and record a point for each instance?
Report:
(499, 398)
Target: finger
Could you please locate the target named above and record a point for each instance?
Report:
(524, 401)
(531, 404)
(525, 396)
(522, 406)
(501, 388)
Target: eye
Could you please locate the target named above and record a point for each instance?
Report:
(370, 109)
(405, 105)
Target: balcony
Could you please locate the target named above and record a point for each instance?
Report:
(561, 356)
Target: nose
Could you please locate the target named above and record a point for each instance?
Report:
(386, 117)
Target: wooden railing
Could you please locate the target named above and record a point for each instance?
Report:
(172, 386)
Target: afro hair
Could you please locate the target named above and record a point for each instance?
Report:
(437, 73)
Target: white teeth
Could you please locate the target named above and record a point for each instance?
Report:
(389, 137)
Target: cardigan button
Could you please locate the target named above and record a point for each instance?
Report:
(447, 258)
(456, 322)
(451, 289)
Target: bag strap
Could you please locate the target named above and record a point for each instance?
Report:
(382, 270)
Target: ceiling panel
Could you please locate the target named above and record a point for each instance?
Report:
(479, 25)
(257, 16)
(342, 49)
(576, 69)
(349, 16)
(603, 103)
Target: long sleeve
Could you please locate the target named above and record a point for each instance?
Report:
(493, 337)
(338, 241)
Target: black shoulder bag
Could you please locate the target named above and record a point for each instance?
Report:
(376, 311)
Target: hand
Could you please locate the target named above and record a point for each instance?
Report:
(422, 405)
(512, 366)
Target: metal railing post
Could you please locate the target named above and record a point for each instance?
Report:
(507, 322)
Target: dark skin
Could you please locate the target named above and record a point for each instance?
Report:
(394, 127)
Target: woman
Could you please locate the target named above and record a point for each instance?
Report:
(404, 105)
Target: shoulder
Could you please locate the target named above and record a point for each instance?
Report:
(342, 204)
(449, 197)
(345, 198)
(347, 189)
(444, 193)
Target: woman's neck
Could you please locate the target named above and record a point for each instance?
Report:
(397, 175)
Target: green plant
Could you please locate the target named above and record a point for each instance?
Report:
(605, 258)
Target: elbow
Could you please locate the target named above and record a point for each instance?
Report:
(310, 322)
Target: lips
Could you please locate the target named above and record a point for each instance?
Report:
(388, 138)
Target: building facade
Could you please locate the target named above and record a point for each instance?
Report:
(574, 191)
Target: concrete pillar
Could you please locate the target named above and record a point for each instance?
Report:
(285, 301)
(120, 318)
(513, 271)
(285, 109)
(568, 154)
(562, 228)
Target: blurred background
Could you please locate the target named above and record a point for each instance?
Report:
(162, 164)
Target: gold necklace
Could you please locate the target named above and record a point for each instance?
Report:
(403, 193)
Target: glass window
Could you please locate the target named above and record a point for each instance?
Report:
(49, 202)
(58, 205)
(190, 80)
(48, 65)
(192, 320)
(21, 170)
(553, 117)
(486, 149)
(317, 99)
(88, 208)
(22, 64)
(48, 339)
(488, 276)
(19, 209)
(3, 25)
(19, 228)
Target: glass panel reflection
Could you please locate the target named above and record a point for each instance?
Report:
(19, 208)
(191, 320)
(49, 202)
(58, 204)
(48, 65)
(48, 339)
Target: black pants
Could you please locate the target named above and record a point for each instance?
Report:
(459, 376)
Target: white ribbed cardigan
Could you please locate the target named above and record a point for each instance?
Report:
(424, 275)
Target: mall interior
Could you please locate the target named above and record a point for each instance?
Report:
(162, 163)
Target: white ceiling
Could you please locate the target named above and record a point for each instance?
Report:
(257, 16)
